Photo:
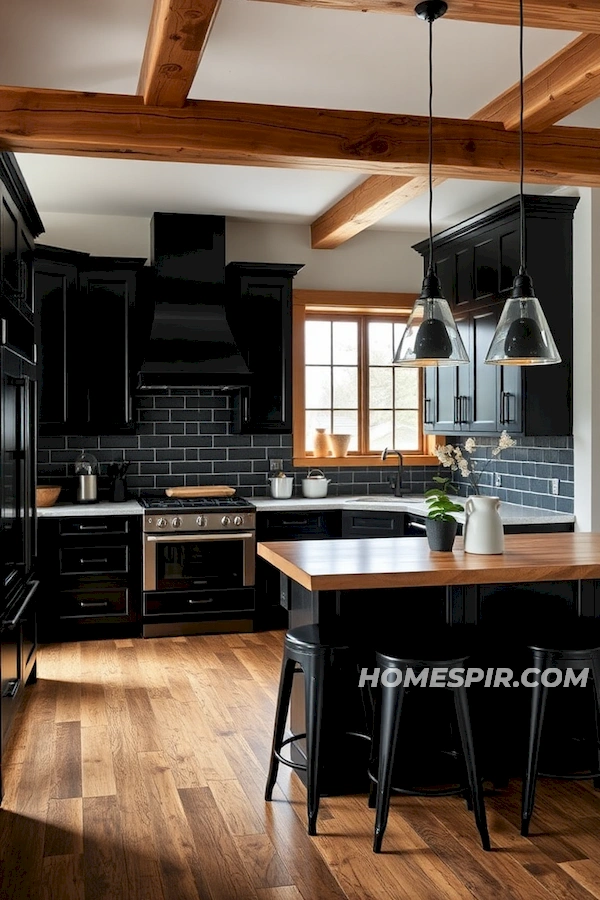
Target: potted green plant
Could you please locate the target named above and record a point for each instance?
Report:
(440, 524)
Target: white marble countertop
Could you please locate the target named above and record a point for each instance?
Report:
(127, 508)
(510, 513)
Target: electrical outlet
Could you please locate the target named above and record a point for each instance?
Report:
(554, 486)
(275, 465)
(497, 480)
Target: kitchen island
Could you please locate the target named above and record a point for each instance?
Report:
(398, 583)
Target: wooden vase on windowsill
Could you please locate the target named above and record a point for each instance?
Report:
(320, 443)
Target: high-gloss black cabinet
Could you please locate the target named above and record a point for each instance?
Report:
(86, 335)
(476, 263)
(91, 575)
(259, 304)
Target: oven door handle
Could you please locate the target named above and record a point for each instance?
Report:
(194, 538)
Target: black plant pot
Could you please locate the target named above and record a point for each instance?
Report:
(440, 534)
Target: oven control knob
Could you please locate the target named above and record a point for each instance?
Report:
(225, 520)
(162, 523)
(176, 522)
(201, 521)
(238, 520)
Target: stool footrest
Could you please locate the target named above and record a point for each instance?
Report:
(409, 792)
(290, 762)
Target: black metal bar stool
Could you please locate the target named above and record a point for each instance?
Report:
(446, 649)
(309, 649)
(574, 647)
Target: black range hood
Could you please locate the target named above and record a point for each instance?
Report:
(186, 338)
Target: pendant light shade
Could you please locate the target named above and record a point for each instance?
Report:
(522, 336)
(431, 337)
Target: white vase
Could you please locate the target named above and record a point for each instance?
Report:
(483, 531)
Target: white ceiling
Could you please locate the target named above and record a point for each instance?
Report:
(268, 53)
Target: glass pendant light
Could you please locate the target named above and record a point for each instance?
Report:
(431, 337)
(522, 336)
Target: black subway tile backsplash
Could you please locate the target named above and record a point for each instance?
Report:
(183, 437)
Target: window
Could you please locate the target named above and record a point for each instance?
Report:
(345, 383)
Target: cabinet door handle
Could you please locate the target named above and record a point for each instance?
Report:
(456, 410)
(99, 560)
(245, 403)
(93, 527)
(85, 604)
(194, 602)
(428, 420)
(505, 408)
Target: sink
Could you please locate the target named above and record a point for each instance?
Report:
(384, 498)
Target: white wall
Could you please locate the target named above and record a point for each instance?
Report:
(372, 261)
(586, 363)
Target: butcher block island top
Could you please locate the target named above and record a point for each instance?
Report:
(330, 565)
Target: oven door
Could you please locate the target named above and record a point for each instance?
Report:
(184, 562)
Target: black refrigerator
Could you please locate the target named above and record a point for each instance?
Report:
(18, 401)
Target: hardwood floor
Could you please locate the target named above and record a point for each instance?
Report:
(137, 771)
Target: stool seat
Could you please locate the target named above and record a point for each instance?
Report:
(310, 637)
(577, 639)
(436, 647)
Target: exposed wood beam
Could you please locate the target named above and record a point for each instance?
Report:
(366, 204)
(34, 120)
(558, 87)
(570, 15)
(176, 39)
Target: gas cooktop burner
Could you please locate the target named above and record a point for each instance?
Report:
(213, 503)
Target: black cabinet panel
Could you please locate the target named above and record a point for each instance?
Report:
(259, 302)
(361, 523)
(477, 261)
(55, 285)
(85, 336)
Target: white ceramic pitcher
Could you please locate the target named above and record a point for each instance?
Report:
(483, 531)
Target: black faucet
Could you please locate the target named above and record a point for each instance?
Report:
(395, 480)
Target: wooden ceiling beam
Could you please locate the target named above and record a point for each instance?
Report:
(582, 15)
(558, 87)
(35, 120)
(177, 36)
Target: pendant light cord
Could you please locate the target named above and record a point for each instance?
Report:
(521, 141)
(431, 145)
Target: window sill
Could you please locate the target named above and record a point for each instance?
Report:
(361, 462)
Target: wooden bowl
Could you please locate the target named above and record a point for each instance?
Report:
(47, 495)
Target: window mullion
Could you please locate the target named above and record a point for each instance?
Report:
(363, 397)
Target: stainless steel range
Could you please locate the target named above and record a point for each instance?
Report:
(198, 565)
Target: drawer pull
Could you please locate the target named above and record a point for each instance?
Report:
(89, 603)
(93, 527)
(207, 600)
(102, 559)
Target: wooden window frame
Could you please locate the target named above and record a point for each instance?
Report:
(337, 304)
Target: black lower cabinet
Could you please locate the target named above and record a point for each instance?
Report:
(91, 576)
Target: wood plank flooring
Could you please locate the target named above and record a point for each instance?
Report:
(137, 771)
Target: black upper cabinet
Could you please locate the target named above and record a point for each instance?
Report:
(476, 263)
(259, 303)
(85, 321)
